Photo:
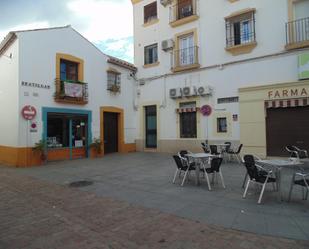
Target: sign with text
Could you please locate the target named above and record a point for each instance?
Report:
(28, 112)
(289, 93)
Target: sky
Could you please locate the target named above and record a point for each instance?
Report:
(106, 23)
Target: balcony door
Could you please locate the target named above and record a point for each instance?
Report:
(186, 52)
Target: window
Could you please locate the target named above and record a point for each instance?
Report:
(227, 100)
(68, 70)
(113, 81)
(221, 125)
(185, 8)
(187, 121)
(186, 52)
(150, 12)
(240, 29)
(151, 54)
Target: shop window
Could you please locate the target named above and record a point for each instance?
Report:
(113, 81)
(240, 29)
(187, 120)
(68, 71)
(151, 54)
(150, 12)
(221, 125)
(58, 130)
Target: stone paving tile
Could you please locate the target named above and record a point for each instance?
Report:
(36, 214)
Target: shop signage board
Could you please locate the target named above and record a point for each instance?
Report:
(303, 66)
(28, 112)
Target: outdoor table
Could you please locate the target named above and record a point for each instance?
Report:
(199, 159)
(278, 165)
(222, 146)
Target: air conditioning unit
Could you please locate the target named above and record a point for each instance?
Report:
(204, 90)
(167, 44)
(175, 93)
(188, 91)
(165, 2)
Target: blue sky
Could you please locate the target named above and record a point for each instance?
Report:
(106, 23)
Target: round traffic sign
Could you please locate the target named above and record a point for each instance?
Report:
(28, 112)
(206, 110)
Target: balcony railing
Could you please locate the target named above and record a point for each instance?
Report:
(185, 58)
(297, 33)
(71, 92)
(182, 9)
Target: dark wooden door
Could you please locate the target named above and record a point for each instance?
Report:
(110, 121)
(287, 126)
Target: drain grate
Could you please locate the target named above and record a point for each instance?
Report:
(79, 184)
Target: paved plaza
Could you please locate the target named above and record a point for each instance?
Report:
(132, 203)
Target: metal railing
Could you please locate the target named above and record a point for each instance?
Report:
(62, 96)
(245, 34)
(182, 9)
(185, 57)
(297, 31)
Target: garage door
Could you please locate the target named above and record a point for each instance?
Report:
(287, 126)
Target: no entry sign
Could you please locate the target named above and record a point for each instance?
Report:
(28, 112)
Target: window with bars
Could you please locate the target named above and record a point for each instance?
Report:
(150, 12)
(113, 81)
(151, 54)
(187, 121)
(240, 29)
(228, 100)
(221, 125)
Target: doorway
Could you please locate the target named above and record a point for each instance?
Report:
(151, 126)
(110, 123)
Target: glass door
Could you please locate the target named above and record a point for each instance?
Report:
(151, 126)
(186, 50)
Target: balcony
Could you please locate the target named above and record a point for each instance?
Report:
(185, 59)
(297, 33)
(71, 92)
(183, 12)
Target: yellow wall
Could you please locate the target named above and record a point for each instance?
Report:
(252, 111)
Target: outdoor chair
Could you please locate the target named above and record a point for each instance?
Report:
(292, 150)
(261, 171)
(205, 148)
(182, 166)
(301, 153)
(256, 176)
(236, 153)
(299, 178)
(214, 170)
(214, 150)
(225, 151)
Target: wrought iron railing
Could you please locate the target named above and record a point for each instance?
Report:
(240, 32)
(183, 9)
(297, 31)
(185, 57)
(77, 92)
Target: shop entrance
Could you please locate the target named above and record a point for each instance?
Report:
(110, 120)
(287, 126)
(66, 135)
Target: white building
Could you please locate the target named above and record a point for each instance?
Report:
(77, 92)
(219, 70)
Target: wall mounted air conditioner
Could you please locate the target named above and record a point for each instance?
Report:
(204, 90)
(175, 93)
(188, 91)
(165, 2)
(167, 44)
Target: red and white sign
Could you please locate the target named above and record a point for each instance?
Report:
(28, 112)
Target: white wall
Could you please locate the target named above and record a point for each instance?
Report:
(38, 64)
(9, 99)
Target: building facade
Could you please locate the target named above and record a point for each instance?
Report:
(57, 86)
(226, 70)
